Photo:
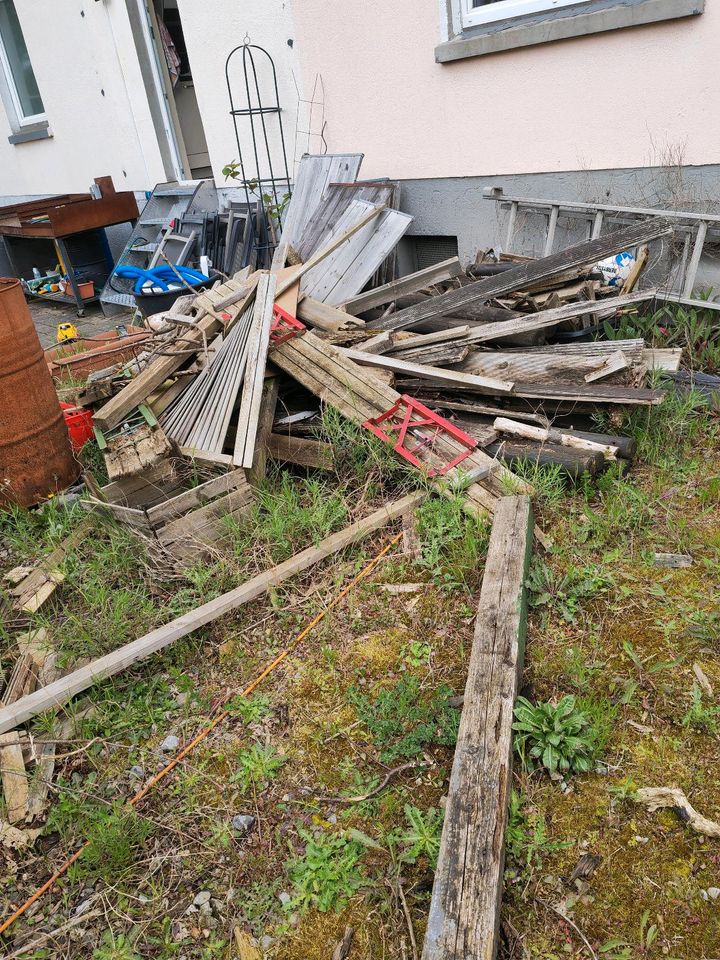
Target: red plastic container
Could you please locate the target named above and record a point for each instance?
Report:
(79, 424)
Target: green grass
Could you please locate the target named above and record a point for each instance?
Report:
(452, 541)
(328, 873)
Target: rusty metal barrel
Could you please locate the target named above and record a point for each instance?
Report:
(36, 459)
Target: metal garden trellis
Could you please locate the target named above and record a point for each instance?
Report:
(271, 176)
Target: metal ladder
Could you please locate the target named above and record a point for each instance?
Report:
(168, 202)
(696, 228)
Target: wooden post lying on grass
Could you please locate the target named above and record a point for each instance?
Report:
(61, 691)
(465, 907)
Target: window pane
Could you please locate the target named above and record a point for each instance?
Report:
(19, 60)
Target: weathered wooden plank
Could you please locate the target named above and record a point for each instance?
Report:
(405, 285)
(465, 906)
(325, 317)
(14, 778)
(525, 274)
(197, 496)
(303, 452)
(615, 363)
(268, 405)
(61, 691)
(257, 350)
(425, 372)
(550, 435)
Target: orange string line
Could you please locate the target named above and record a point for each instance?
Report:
(223, 715)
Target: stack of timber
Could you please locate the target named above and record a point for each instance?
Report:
(503, 358)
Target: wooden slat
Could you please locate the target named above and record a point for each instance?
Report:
(525, 275)
(325, 317)
(465, 906)
(13, 776)
(268, 406)
(197, 496)
(61, 691)
(437, 374)
(405, 285)
(257, 351)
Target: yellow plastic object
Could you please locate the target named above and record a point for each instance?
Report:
(66, 331)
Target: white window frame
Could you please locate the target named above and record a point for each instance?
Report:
(509, 9)
(22, 120)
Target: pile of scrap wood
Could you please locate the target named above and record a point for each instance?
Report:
(463, 372)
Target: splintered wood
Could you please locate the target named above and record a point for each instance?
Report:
(465, 906)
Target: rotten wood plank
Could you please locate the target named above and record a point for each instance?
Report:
(465, 907)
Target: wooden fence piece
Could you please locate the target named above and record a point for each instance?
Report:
(61, 691)
(405, 285)
(465, 906)
(526, 274)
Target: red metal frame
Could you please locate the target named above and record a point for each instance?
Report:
(409, 415)
(284, 326)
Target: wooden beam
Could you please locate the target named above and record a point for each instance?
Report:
(437, 374)
(325, 317)
(268, 405)
(524, 275)
(303, 452)
(61, 691)
(405, 285)
(465, 907)
(551, 435)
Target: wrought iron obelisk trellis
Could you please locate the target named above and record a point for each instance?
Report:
(265, 177)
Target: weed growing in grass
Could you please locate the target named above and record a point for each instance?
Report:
(115, 948)
(526, 838)
(564, 593)
(403, 722)
(257, 766)
(547, 480)
(250, 709)
(360, 456)
(421, 837)
(290, 514)
(452, 541)
(701, 716)
(665, 432)
(417, 654)
(328, 873)
(558, 737)
(115, 832)
(132, 711)
(30, 533)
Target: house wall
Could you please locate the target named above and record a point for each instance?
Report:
(621, 99)
(89, 77)
(209, 39)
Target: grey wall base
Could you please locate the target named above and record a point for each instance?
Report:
(455, 206)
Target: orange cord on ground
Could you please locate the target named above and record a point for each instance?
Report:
(208, 730)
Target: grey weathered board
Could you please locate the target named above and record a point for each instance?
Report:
(257, 349)
(410, 283)
(526, 274)
(465, 905)
(314, 175)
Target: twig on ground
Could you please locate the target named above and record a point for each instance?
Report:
(576, 928)
(343, 948)
(381, 786)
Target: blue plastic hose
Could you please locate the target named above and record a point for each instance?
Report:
(160, 276)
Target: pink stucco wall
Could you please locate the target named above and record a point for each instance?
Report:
(619, 99)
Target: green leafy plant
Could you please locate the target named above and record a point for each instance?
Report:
(526, 837)
(452, 541)
(421, 837)
(565, 592)
(701, 716)
(417, 653)
(249, 709)
(114, 947)
(402, 721)
(558, 737)
(256, 766)
(328, 873)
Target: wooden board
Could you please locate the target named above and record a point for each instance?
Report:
(257, 350)
(188, 500)
(268, 405)
(324, 316)
(61, 691)
(437, 374)
(13, 777)
(465, 906)
(524, 275)
(303, 452)
(405, 285)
